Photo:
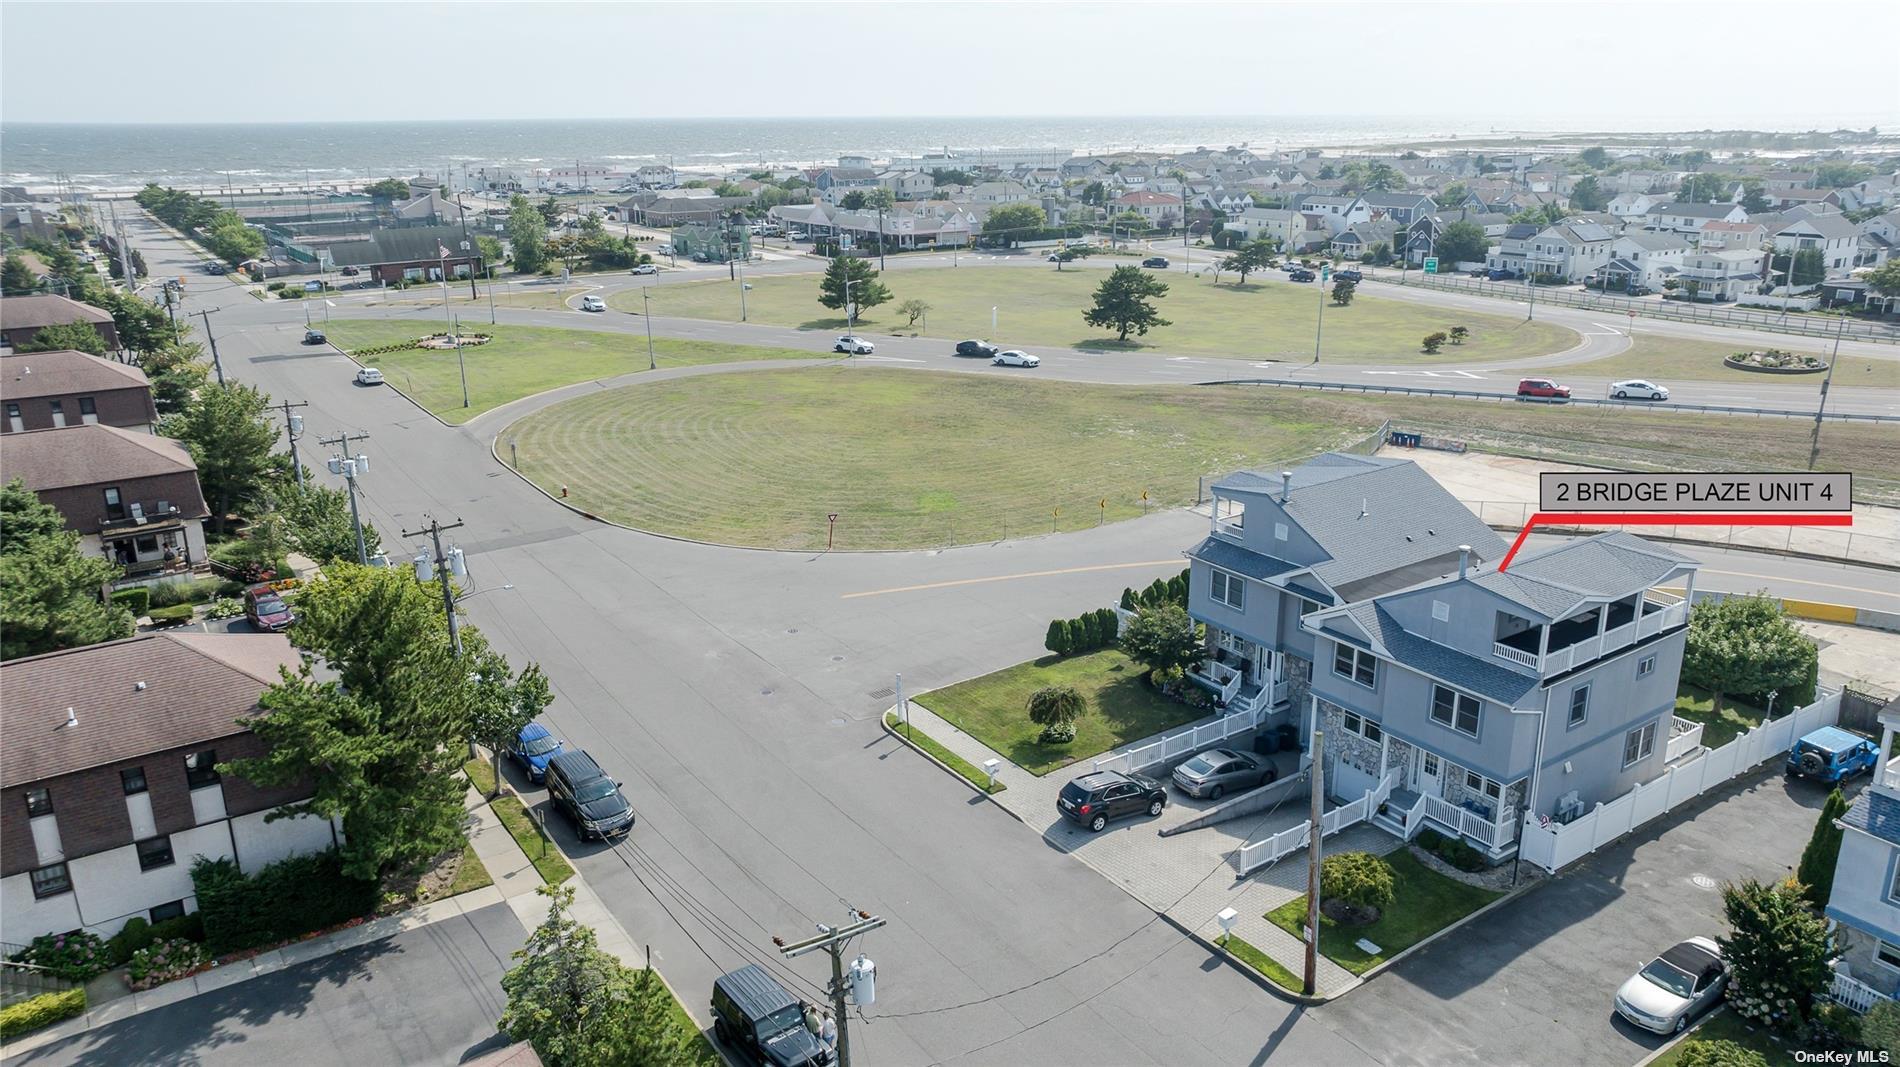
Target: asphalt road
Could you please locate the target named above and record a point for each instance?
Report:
(736, 693)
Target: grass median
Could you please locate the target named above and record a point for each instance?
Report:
(942, 755)
(1725, 1025)
(547, 859)
(1667, 359)
(1245, 951)
(1424, 902)
(1259, 320)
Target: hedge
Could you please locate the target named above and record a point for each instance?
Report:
(137, 600)
(1090, 631)
(176, 613)
(1452, 850)
(137, 934)
(43, 1010)
(285, 900)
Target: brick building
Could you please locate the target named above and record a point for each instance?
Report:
(133, 497)
(21, 317)
(48, 390)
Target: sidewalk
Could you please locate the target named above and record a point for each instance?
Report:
(1188, 878)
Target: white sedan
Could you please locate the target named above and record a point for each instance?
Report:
(853, 345)
(1010, 357)
(369, 376)
(1638, 389)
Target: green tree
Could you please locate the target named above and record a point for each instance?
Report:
(1017, 221)
(490, 248)
(232, 239)
(1458, 334)
(49, 589)
(1461, 242)
(388, 189)
(1748, 645)
(850, 280)
(1163, 638)
(1586, 195)
(527, 234)
(1255, 255)
(1885, 279)
(1056, 708)
(852, 201)
(1380, 254)
(1057, 639)
(1596, 157)
(1703, 188)
(1777, 950)
(1754, 201)
(500, 707)
(78, 336)
(1342, 291)
(880, 197)
(227, 429)
(1717, 1052)
(1835, 175)
(1095, 193)
(16, 277)
(1880, 1029)
(175, 371)
(141, 324)
(1695, 158)
(1071, 253)
(1816, 872)
(1454, 194)
(912, 310)
(550, 211)
(1433, 342)
(1360, 880)
(1124, 302)
(317, 523)
(1383, 177)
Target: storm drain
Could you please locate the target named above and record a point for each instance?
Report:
(1702, 881)
(882, 694)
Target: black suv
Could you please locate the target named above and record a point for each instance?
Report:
(1155, 261)
(982, 349)
(1093, 799)
(754, 1016)
(1300, 275)
(1350, 275)
(578, 786)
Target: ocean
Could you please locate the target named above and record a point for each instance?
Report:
(106, 157)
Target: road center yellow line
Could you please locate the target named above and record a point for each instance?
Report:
(1177, 562)
(1804, 581)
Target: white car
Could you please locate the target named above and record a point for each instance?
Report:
(854, 345)
(645, 268)
(1638, 389)
(369, 376)
(1010, 357)
(1675, 987)
(593, 303)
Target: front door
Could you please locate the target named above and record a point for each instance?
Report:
(1431, 771)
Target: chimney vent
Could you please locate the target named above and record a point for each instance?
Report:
(140, 686)
(1286, 485)
(1464, 559)
(72, 719)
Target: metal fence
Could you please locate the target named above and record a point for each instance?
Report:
(1677, 311)
(1606, 402)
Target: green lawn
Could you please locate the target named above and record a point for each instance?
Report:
(943, 755)
(471, 876)
(1698, 705)
(522, 360)
(699, 1051)
(516, 295)
(1666, 359)
(547, 859)
(1725, 1025)
(1044, 307)
(1246, 953)
(1426, 902)
(481, 774)
(1122, 708)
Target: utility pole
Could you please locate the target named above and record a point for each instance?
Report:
(441, 567)
(1316, 768)
(216, 363)
(646, 313)
(862, 983)
(1319, 320)
(1814, 449)
(351, 468)
(293, 428)
(880, 234)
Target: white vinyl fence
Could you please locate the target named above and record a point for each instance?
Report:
(1557, 845)
(1182, 743)
(1251, 857)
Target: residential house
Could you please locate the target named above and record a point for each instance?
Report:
(1634, 205)
(907, 184)
(1718, 234)
(1879, 237)
(677, 207)
(1570, 250)
(833, 183)
(49, 390)
(22, 317)
(1160, 209)
(1722, 275)
(1402, 208)
(1837, 239)
(1864, 901)
(658, 176)
(112, 782)
(1297, 231)
(1781, 199)
(1361, 238)
(1513, 250)
(1643, 259)
(1878, 191)
(1000, 192)
(1339, 211)
(21, 221)
(411, 253)
(1135, 176)
(1085, 168)
(1688, 218)
(426, 209)
(132, 496)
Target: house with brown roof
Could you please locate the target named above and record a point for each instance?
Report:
(21, 317)
(111, 782)
(133, 497)
(48, 390)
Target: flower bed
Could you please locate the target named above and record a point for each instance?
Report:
(76, 957)
(1775, 361)
(165, 961)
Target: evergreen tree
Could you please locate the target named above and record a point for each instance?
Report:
(227, 431)
(49, 589)
(1777, 950)
(1057, 639)
(76, 336)
(1123, 302)
(864, 289)
(1816, 872)
(16, 277)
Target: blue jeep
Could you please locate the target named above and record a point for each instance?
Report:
(1832, 755)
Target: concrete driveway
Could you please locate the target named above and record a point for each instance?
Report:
(1532, 981)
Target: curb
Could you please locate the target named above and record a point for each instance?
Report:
(908, 743)
(1498, 903)
(1258, 978)
(1678, 1039)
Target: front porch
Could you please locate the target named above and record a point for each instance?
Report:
(1242, 675)
(148, 546)
(1433, 791)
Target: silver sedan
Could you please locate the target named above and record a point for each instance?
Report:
(1219, 771)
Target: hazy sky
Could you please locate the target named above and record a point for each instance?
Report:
(262, 62)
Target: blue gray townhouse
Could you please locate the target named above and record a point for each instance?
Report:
(1356, 596)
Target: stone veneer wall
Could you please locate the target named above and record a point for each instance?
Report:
(1299, 681)
(1350, 747)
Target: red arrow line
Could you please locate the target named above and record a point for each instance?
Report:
(1640, 518)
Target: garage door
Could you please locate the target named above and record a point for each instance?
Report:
(1345, 782)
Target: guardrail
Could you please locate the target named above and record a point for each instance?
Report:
(1474, 394)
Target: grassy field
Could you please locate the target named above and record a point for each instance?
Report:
(910, 459)
(547, 859)
(1666, 359)
(1425, 902)
(1698, 705)
(941, 754)
(522, 360)
(1728, 1026)
(1122, 708)
(1044, 307)
(516, 295)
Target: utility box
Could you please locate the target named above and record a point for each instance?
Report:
(863, 982)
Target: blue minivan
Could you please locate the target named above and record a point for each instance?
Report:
(533, 748)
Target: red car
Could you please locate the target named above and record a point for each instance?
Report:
(266, 610)
(1542, 389)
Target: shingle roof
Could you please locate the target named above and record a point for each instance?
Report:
(1832, 226)
(60, 373)
(24, 312)
(1698, 211)
(409, 244)
(1231, 557)
(90, 455)
(196, 687)
(1556, 582)
(1876, 813)
(1654, 241)
(1391, 640)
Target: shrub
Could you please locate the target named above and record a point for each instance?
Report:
(1359, 880)
(1452, 850)
(76, 957)
(175, 613)
(164, 961)
(43, 1010)
(273, 287)
(1128, 599)
(1111, 625)
(225, 608)
(1880, 1029)
(1434, 341)
(1178, 589)
(285, 900)
(1816, 872)
(1055, 708)
(288, 293)
(1458, 335)
(134, 935)
(166, 594)
(1718, 1052)
(1057, 640)
(1163, 637)
(190, 926)
(1777, 951)
(1834, 1026)
(137, 600)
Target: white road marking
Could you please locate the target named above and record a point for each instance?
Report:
(1608, 327)
(1184, 359)
(888, 359)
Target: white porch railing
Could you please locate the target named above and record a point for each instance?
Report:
(1179, 745)
(1852, 993)
(1515, 655)
(1219, 677)
(1890, 774)
(1254, 855)
(1684, 737)
(1558, 660)
(1492, 833)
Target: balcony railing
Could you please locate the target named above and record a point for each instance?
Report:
(1492, 833)
(1854, 994)
(1684, 737)
(1219, 677)
(1558, 660)
(1515, 655)
(139, 515)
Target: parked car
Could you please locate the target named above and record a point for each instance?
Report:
(593, 303)
(308, 287)
(755, 1017)
(1218, 771)
(1094, 799)
(1052, 257)
(977, 348)
(351, 272)
(1638, 389)
(795, 235)
(1674, 987)
(1301, 275)
(216, 268)
(1155, 261)
(314, 337)
(1010, 357)
(369, 376)
(1832, 755)
(1499, 274)
(1350, 274)
(645, 268)
(854, 345)
(266, 610)
(533, 747)
(1542, 389)
(577, 786)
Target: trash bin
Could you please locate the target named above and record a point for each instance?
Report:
(1266, 742)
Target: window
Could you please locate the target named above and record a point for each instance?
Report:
(171, 910)
(59, 413)
(51, 881)
(88, 411)
(1459, 711)
(201, 768)
(1356, 664)
(115, 507)
(38, 802)
(1279, 531)
(1579, 705)
(1893, 889)
(1364, 727)
(1228, 589)
(1638, 744)
(1441, 611)
(155, 852)
(1307, 607)
(1431, 765)
(1645, 666)
(133, 779)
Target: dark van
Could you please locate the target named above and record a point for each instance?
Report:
(754, 1016)
(578, 786)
